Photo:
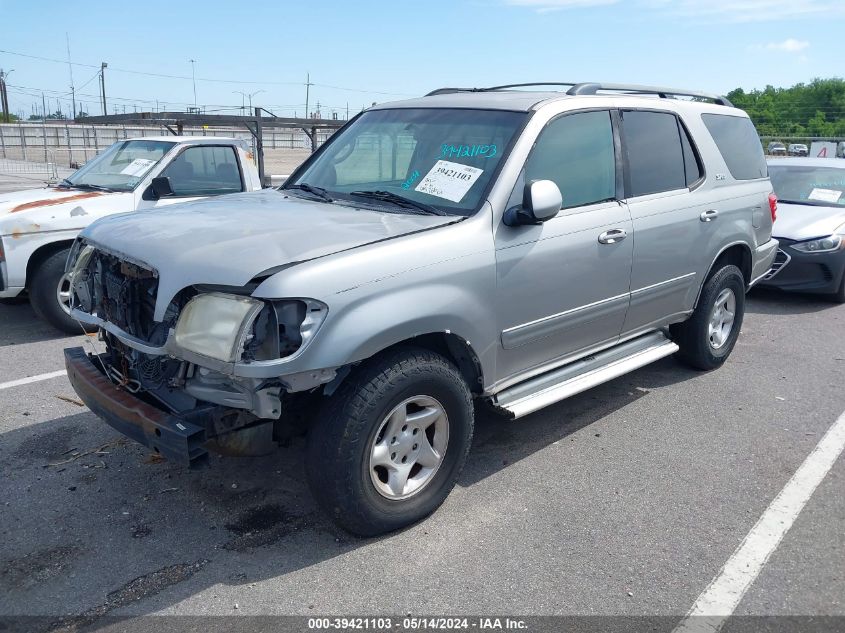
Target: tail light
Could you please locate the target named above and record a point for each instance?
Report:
(773, 206)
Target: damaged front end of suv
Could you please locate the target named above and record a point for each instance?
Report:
(208, 369)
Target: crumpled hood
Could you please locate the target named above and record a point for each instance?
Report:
(231, 239)
(51, 209)
(804, 222)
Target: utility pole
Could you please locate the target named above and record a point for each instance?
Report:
(4, 95)
(308, 85)
(43, 107)
(249, 95)
(194, 78)
(103, 67)
(70, 69)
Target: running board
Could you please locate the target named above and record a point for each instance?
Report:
(566, 381)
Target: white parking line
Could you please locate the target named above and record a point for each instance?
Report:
(722, 596)
(26, 381)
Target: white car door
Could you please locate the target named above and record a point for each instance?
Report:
(198, 171)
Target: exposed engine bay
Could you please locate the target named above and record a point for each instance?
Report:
(124, 294)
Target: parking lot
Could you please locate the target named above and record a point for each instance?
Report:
(624, 500)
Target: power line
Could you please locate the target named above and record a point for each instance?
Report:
(61, 94)
(206, 79)
(29, 91)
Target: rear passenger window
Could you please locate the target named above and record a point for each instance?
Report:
(692, 163)
(655, 153)
(739, 145)
(576, 152)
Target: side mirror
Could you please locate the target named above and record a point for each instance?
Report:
(160, 187)
(541, 201)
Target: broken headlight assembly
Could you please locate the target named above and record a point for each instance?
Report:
(231, 328)
(285, 328)
(217, 325)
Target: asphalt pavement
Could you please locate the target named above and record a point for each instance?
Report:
(625, 500)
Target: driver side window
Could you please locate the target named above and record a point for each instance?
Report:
(204, 170)
(576, 152)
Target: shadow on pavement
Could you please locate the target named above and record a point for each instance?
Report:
(86, 508)
(772, 301)
(499, 442)
(18, 325)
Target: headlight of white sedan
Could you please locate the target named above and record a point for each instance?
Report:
(217, 325)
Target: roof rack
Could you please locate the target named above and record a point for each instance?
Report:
(590, 88)
(450, 91)
(447, 91)
(663, 93)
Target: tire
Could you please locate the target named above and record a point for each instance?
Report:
(343, 457)
(44, 294)
(700, 346)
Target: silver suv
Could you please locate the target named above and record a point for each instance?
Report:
(500, 245)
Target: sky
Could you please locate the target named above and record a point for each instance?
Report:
(360, 52)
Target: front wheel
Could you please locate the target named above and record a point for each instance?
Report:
(49, 294)
(708, 337)
(388, 446)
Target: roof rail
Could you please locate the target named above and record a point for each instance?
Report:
(447, 91)
(528, 85)
(589, 88)
(663, 93)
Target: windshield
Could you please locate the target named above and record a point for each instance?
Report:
(823, 186)
(121, 167)
(439, 158)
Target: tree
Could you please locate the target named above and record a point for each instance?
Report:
(804, 110)
(53, 116)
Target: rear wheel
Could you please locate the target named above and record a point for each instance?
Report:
(388, 446)
(49, 294)
(708, 337)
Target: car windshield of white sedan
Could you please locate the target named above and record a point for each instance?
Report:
(814, 186)
(412, 160)
(121, 167)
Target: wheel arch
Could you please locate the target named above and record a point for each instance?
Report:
(451, 346)
(40, 254)
(737, 254)
(456, 349)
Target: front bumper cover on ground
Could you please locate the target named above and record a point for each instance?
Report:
(175, 437)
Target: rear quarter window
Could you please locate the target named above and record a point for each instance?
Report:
(738, 144)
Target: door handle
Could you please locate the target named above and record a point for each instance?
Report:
(612, 236)
(709, 215)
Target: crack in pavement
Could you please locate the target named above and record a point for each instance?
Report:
(142, 587)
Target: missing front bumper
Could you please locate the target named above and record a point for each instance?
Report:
(175, 437)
